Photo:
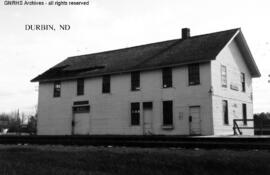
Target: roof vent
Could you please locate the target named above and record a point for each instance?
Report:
(185, 33)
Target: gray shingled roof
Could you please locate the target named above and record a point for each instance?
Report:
(176, 52)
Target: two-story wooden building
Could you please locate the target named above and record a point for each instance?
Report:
(190, 86)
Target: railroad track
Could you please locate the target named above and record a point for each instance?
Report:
(230, 142)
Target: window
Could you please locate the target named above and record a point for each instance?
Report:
(167, 113)
(106, 84)
(244, 109)
(81, 107)
(223, 76)
(167, 77)
(57, 89)
(147, 105)
(135, 113)
(80, 86)
(243, 82)
(225, 112)
(193, 74)
(81, 102)
(135, 81)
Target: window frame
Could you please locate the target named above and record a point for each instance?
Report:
(167, 113)
(224, 81)
(80, 86)
(135, 81)
(57, 89)
(167, 79)
(194, 74)
(106, 84)
(225, 114)
(135, 114)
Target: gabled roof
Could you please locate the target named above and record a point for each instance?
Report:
(201, 48)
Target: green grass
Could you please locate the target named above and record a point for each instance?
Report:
(17, 160)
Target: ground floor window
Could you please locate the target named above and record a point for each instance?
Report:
(225, 112)
(135, 113)
(244, 109)
(167, 113)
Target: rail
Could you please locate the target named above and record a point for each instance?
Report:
(260, 126)
(237, 129)
(206, 142)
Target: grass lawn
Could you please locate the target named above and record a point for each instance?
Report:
(67, 160)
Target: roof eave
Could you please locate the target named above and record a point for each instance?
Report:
(254, 70)
(34, 80)
(37, 79)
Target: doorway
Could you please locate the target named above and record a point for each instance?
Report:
(147, 118)
(81, 120)
(194, 120)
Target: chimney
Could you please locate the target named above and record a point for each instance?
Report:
(185, 33)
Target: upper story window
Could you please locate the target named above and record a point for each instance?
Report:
(106, 84)
(80, 86)
(193, 74)
(135, 113)
(223, 76)
(167, 77)
(135, 81)
(57, 89)
(167, 113)
(243, 82)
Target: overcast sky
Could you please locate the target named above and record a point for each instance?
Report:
(106, 25)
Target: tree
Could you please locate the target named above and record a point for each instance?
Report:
(17, 122)
(32, 124)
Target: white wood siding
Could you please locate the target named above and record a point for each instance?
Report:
(110, 113)
(230, 57)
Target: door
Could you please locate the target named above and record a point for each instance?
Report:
(194, 120)
(147, 117)
(81, 123)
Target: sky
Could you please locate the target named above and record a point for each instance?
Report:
(107, 25)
